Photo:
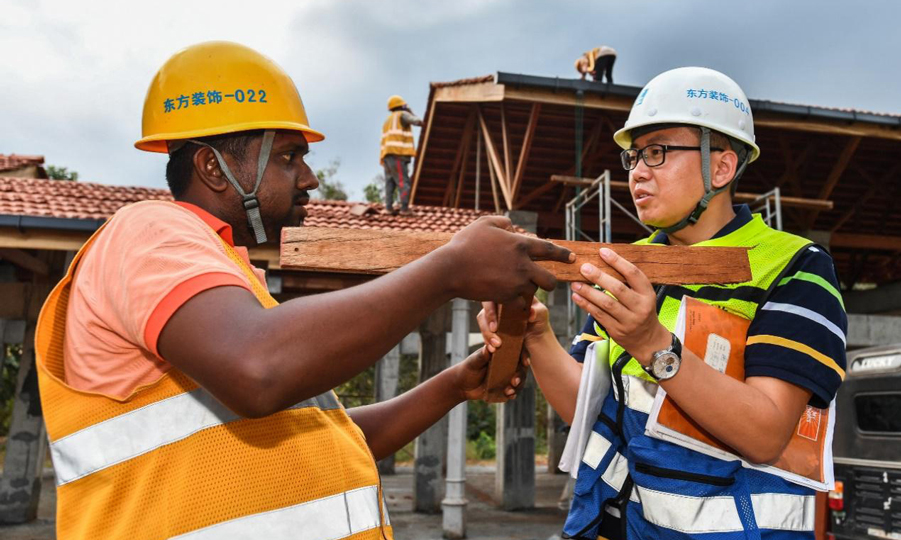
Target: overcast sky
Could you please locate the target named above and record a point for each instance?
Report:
(73, 73)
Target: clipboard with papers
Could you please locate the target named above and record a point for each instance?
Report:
(593, 388)
(718, 337)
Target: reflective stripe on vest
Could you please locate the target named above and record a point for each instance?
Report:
(396, 139)
(328, 518)
(135, 433)
(701, 515)
(640, 393)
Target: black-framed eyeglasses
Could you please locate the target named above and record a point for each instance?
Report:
(653, 155)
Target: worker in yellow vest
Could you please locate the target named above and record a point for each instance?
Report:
(397, 151)
(181, 400)
(598, 63)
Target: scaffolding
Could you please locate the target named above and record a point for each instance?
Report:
(768, 205)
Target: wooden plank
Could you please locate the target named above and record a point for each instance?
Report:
(524, 151)
(568, 98)
(491, 92)
(42, 239)
(493, 178)
(423, 146)
(506, 144)
(470, 93)
(462, 175)
(512, 321)
(855, 129)
(835, 175)
(376, 252)
(494, 160)
(464, 141)
(740, 197)
(865, 241)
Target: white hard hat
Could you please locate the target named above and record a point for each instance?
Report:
(693, 96)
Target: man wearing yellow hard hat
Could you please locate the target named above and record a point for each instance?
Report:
(397, 151)
(181, 400)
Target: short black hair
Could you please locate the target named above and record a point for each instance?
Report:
(181, 161)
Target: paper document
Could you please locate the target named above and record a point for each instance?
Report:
(718, 337)
(593, 388)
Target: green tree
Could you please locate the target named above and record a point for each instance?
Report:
(330, 188)
(61, 173)
(375, 190)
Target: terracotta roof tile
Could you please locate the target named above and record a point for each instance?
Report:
(17, 161)
(84, 200)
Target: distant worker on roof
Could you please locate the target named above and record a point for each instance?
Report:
(180, 398)
(397, 151)
(597, 62)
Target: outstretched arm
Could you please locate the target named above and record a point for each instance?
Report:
(259, 361)
(391, 424)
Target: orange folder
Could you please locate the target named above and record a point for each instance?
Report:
(718, 337)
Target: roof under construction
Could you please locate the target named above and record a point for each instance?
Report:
(837, 169)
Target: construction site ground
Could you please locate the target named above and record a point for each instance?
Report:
(484, 520)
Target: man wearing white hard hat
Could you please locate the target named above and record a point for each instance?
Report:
(687, 141)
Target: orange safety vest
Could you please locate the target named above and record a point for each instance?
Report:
(170, 461)
(396, 139)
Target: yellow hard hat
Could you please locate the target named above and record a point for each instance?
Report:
(219, 87)
(395, 102)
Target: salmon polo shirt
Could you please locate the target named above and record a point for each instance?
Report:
(149, 260)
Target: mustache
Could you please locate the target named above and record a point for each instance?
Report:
(302, 195)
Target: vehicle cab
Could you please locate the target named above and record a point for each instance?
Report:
(866, 502)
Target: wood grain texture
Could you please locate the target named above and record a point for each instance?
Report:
(374, 252)
(512, 321)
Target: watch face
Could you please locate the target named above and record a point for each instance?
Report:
(666, 365)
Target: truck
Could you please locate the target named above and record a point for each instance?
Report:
(866, 501)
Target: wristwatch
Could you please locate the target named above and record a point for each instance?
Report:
(665, 363)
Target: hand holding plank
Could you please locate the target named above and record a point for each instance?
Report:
(486, 261)
(491, 262)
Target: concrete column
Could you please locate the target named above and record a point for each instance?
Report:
(454, 503)
(387, 373)
(20, 485)
(431, 445)
(515, 429)
(872, 330)
(556, 440)
(514, 486)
